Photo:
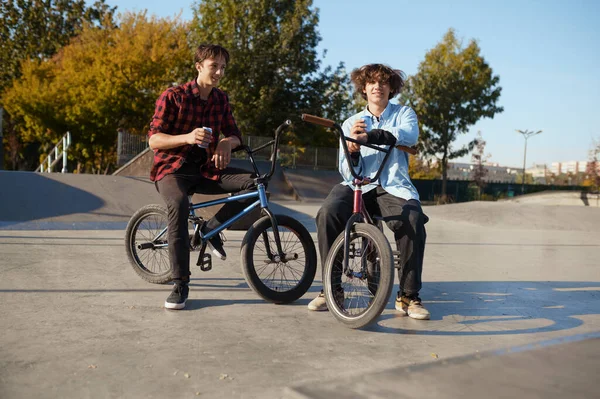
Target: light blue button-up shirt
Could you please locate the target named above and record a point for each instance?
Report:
(402, 122)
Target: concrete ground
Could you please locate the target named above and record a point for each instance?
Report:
(77, 322)
(499, 277)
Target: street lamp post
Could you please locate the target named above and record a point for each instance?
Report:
(526, 134)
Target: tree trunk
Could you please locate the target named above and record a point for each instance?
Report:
(444, 176)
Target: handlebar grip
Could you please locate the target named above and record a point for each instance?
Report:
(410, 150)
(317, 120)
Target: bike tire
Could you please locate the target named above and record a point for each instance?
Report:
(258, 266)
(152, 265)
(372, 300)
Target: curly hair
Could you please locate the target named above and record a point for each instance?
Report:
(377, 73)
(205, 51)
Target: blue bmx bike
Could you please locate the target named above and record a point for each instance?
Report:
(278, 255)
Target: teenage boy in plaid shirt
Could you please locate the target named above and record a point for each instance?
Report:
(182, 165)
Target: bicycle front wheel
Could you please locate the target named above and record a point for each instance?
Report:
(274, 279)
(357, 295)
(146, 244)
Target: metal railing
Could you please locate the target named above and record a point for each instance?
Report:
(317, 158)
(55, 155)
(129, 145)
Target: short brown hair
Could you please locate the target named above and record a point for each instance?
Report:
(205, 51)
(377, 73)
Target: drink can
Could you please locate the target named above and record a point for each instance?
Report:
(208, 130)
(367, 119)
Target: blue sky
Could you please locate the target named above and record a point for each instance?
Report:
(546, 53)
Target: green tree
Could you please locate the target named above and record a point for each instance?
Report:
(592, 170)
(103, 80)
(274, 72)
(454, 88)
(479, 158)
(529, 178)
(34, 30)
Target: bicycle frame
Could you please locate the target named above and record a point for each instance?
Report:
(260, 194)
(262, 201)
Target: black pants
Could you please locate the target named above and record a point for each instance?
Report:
(405, 218)
(174, 190)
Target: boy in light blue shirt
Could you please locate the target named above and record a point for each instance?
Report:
(393, 195)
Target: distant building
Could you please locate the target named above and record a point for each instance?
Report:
(574, 167)
(537, 171)
(541, 173)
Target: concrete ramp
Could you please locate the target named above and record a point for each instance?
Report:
(558, 198)
(278, 187)
(312, 185)
(514, 215)
(41, 201)
(71, 201)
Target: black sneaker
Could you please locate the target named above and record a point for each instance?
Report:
(178, 296)
(215, 243)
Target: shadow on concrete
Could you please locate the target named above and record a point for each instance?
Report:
(498, 308)
(28, 196)
(584, 199)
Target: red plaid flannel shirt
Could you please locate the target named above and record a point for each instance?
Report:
(179, 110)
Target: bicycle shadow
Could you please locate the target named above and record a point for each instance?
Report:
(207, 283)
(203, 284)
(496, 308)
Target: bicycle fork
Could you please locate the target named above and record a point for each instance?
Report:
(358, 216)
(279, 256)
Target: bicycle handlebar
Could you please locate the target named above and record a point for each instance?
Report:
(275, 141)
(331, 124)
(317, 120)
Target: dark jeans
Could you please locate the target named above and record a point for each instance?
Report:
(405, 218)
(174, 190)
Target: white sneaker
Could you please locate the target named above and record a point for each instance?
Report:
(412, 308)
(319, 304)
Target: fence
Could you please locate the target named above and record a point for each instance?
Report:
(318, 158)
(465, 190)
(129, 145)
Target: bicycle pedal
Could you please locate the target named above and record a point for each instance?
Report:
(205, 262)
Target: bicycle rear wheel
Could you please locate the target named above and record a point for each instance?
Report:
(357, 296)
(279, 280)
(146, 244)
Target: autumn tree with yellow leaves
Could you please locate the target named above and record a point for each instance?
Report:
(105, 79)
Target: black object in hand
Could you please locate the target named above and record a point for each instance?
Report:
(380, 137)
